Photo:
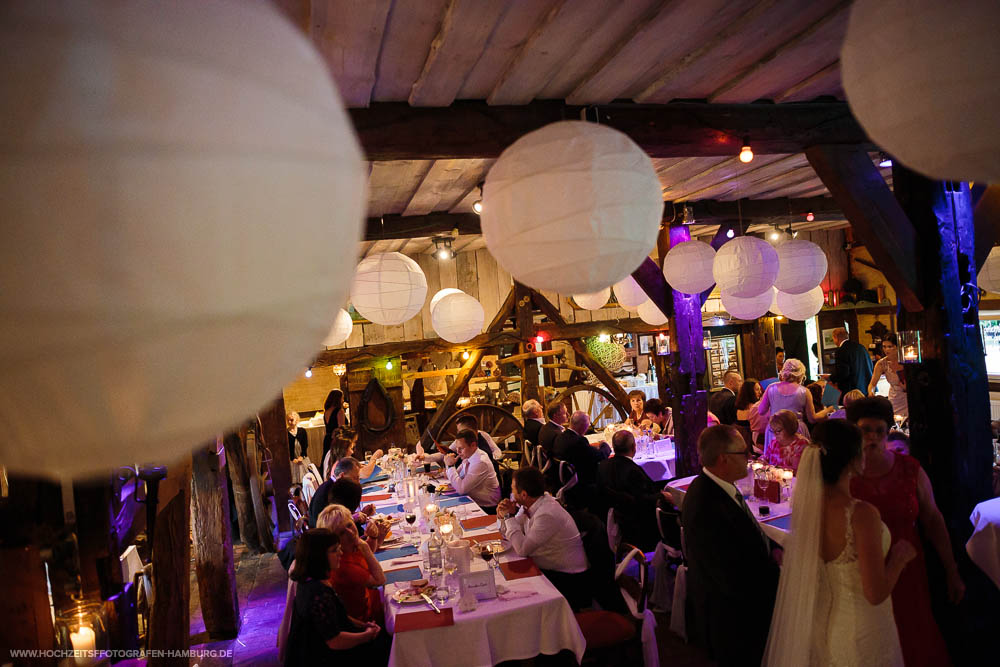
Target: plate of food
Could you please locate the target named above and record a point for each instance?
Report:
(496, 546)
(413, 591)
(445, 488)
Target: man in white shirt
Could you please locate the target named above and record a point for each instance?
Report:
(475, 476)
(545, 532)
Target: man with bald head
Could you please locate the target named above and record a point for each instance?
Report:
(573, 448)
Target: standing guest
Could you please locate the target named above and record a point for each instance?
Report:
(636, 399)
(789, 394)
(575, 449)
(534, 417)
(658, 417)
(779, 359)
(545, 532)
(732, 576)
(890, 367)
(785, 449)
(558, 416)
(475, 476)
(852, 365)
(625, 486)
(900, 489)
(723, 402)
(333, 418)
(359, 576)
(747, 416)
(298, 447)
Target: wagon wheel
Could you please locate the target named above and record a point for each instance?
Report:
(573, 402)
(502, 425)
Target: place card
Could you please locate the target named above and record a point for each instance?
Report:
(479, 522)
(424, 620)
(480, 583)
(520, 569)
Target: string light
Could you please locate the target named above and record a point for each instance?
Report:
(477, 205)
(465, 355)
(809, 216)
(746, 153)
(539, 339)
(309, 372)
(604, 338)
(388, 365)
(730, 233)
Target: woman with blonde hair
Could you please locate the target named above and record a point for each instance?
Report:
(360, 574)
(789, 394)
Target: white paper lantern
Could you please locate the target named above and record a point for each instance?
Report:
(688, 267)
(774, 303)
(651, 314)
(440, 294)
(801, 306)
(160, 157)
(745, 267)
(748, 309)
(989, 275)
(571, 207)
(933, 103)
(593, 300)
(801, 266)
(389, 288)
(343, 325)
(628, 293)
(458, 317)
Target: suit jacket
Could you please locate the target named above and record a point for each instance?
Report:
(852, 368)
(732, 579)
(531, 429)
(626, 487)
(573, 448)
(547, 435)
(723, 405)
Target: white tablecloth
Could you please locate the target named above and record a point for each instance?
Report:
(658, 464)
(984, 545)
(774, 525)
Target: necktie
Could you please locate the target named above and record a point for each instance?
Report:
(763, 537)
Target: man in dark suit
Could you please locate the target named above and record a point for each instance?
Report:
(533, 416)
(547, 434)
(573, 448)
(723, 402)
(627, 488)
(732, 577)
(852, 365)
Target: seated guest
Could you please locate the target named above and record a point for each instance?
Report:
(558, 415)
(484, 440)
(321, 630)
(534, 417)
(628, 489)
(359, 576)
(723, 402)
(573, 448)
(747, 415)
(475, 476)
(786, 448)
(347, 493)
(899, 442)
(847, 398)
(636, 399)
(343, 441)
(545, 532)
(658, 417)
(347, 468)
(816, 390)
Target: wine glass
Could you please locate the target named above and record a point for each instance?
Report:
(450, 568)
(411, 518)
(486, 553)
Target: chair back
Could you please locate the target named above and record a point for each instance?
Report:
(635, 592)
(567, 478)
(668, 523)
(614, 532)
(315, 472)
(294, 511)
(528, 451)
(542, 459)
(309, 486)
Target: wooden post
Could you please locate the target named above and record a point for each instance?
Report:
(236, 462)
(524, 318)
(758, 348)
(100, 567)
(213, 545)
(170, 620)
(275, 436)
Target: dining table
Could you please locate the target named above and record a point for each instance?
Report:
(529, 616)
(657, 458)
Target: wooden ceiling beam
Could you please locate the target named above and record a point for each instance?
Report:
(465, 130)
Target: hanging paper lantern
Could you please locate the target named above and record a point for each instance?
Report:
(745, 266)
(747, 309)
(651, 314)
(158, 158)
(571, 207)
(628, 293)
(774, 303)
(343, 325)
(801, 266)
(389, 288)
(989, 275)
(688, 267)
(440, 294)
(609, 354)
(458, 317)
(593, 300)
(801, 306)
(933, 103)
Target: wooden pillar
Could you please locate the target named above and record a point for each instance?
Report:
(100, 567)
(275, 435)
(213, 544)
(524, 318)
(170, 620)
(236, 462)
(758, 348)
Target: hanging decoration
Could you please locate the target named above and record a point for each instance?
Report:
(593, 300)
(688, 267)
(440, 294)
(801, 266)
(628, 293)
(748, 309)
(774, 303)
(989, 275)
(571, 207)
(801, 306)
(458, 317)
(609, 354)
(343, 325)
(389, 288)
(158, 159)
(933, 103)
(745, 266)
(651, 314)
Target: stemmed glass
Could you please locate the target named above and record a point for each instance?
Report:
(450, 567)
(486, 553)
(411, 518)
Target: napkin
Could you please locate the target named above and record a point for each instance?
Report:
(402, 574)
(373, 489)
(423, 620)
(520, 569)
(783, 522)
(485, 537)
(479, 522)
(389, 509)
(451, 502)
(388, 554)
(376, 496)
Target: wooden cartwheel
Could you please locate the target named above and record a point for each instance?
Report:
(499, 423)
(587, 406)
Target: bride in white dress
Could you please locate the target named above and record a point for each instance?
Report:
(838, 569)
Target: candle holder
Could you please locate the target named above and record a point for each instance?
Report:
(909, 347)
(82, 628)
(662, 345)
(706, 340)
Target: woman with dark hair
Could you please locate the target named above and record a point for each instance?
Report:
(333, 410)
(747, 416)
(636, 399)
(341, 443)
(321, 631)
(900, 489)
(816, 393)
(890, 367)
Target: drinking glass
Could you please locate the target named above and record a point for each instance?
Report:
(411, 518)
(450, 568)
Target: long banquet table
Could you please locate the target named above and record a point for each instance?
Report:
(531, 618)
(775, 525)
(658, 463)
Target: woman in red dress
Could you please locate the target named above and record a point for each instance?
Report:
(900, 489)
(357, 579)
(786, 448)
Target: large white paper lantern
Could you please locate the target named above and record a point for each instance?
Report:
(651, 314)
(748, 309)
(745, 267)
(801, 306)
(343, 325)
(160, 159)
(571, 207)
(389, 288)
(628, 293)
(458, 317)
(933, 103)
(989, 275)
(801, 266)
(593, 300)
(774, 303)
(440, 294)
(688, 267)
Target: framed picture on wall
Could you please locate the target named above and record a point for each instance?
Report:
(645, 342)
(828, 343)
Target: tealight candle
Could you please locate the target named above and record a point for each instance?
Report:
(430, 509)
(787, 475)
(758, 465)
(446, 530)
(84, 639)
(910, 353)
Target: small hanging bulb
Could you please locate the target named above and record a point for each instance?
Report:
(539, 339)
(388, 365)
(775, 234)
(730, 233)
(809, 216)
(746, 153)
(309, 372)
(604, 338)
(465, 355)
(477, 206)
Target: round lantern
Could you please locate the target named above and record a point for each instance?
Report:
(440, 294)
(458, 317)
(158, 161)
(389, 288)
(593, 300)
(628, 293)
(650, 314)
(989, 275)
(747, 309)
(688, 267)
(343, 325)
(745, 266)
(571, 207)
(801, 306)
(933, 103)
(774, 303)
(801, 266)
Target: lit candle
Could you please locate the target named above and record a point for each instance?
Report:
(910, 353)
(758, 465)
(430, 510)
(787, 475)
(84, 639)
(446, 530)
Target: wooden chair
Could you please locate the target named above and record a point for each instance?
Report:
(567, 480)
(527, 453)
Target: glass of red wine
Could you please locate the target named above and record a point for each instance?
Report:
(411, 519)
(486, 553)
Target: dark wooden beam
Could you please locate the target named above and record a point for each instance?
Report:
(524, 317)
(875, 215)
(987, 223)
(706, 211)
(275, 437)
(397, 131)
(236, 462)
(407, 227)
(170, 618)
